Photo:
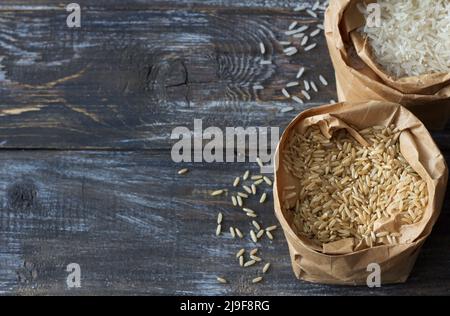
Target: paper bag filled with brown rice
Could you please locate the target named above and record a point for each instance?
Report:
(357, 184)
(396, 51)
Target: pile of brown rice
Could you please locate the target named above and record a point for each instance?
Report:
(345, 187)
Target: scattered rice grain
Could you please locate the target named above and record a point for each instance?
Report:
(222, 280)
(298, 100)
(239, 233)
(257, 280)
(323, 80)
(217, 192)
(262, 48)
(263, 198)
(266, 267)
(218, 230)
(306, 94)
(287, 109)
(300, 73)
(253, 236)
(311, 13)
(292, 25)
(310, 47)
(249, 263)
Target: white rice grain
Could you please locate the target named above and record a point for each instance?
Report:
(287, 109)
(306, 85)
(262, 48)
(310, 47)
(218, 230)
(315, 32)
(292, 25)
(285, 93)
(300, 73)
(311, 13)
(304, 41)
(298, 100)
(306, 94)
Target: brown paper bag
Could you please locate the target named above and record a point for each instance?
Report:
(338, 262)
(359, 77)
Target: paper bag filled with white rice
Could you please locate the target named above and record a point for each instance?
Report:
(397, 51)
(357, 184)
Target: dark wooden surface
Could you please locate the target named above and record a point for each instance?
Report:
(85, 169)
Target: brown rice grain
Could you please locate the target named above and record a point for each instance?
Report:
(266, 267)
(253, 251)
(222, 280)
(239, 201)
(183, 171)
(239, 233)
(249, 263)
(234, 200)
(269, 235)
(253, 236)
(217, 192)
(260, 234)
(247, 189)
(253, 187)
(232, 233)
(257, 280)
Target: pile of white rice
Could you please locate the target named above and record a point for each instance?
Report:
(413, 38)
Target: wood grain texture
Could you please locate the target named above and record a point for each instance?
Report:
(85, 168)
(135, 70)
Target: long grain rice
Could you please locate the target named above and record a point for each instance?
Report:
(217, 192)
(345, 188)
(257, 280)
(222, 280)
(266, 267)
(263, 198)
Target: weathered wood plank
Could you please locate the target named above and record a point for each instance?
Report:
(136, 227)
(135, 70)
